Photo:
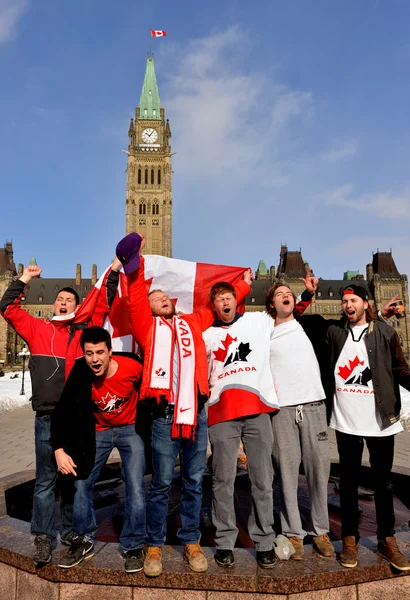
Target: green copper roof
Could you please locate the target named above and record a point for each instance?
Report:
(348, 275)
(262, 270)
(149, 102)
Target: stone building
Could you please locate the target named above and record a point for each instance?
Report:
(383, 280)
(149, 186)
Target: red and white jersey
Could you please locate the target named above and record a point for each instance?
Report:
(240, 378)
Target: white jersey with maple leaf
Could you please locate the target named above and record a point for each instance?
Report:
(240, 379)
(354, 404)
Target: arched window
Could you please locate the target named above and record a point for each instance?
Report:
(143, 209)
(155, 208)
(139, 176)
(146, 177)
(159, 176)
(152, 176)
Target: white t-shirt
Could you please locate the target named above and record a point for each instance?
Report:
(294, 366)
(354, 404)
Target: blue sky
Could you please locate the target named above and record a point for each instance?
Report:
(290, 120)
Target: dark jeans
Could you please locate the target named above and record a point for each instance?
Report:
(131, 449)
(164, 454)
(42, 521)
(381, 453)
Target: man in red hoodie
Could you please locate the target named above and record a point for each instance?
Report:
(54, 346)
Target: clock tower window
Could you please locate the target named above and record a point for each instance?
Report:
(139, 176)
(152, 176)
(142, 209)
(159, 176)
(146, 177)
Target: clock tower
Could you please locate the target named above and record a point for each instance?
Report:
(149, 187)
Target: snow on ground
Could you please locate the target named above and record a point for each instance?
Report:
(10, 391)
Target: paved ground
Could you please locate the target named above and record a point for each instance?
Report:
(17, 441)
(17, 446)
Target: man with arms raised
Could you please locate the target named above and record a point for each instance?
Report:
(241, 403)
(175, 384)
(368, 366)
(54, 346)
(97, 413)
(300, 427)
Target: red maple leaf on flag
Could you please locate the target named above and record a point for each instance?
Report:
(345, 371)
(221, 353)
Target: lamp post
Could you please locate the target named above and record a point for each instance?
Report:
(24, 353)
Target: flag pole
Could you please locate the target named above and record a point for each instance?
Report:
(150, 43)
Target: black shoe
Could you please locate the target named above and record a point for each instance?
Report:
(68, 538)
(266, 559)
(224, 558)
(79, 550)
(42, 555)
(134, 560)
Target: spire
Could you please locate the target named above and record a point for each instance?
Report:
(149, 102)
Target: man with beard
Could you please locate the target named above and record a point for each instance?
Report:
(95, 414)
(368, 367)
(54, 345)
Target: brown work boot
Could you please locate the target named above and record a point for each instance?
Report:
(348, 556)
(324, 546)
(390, 551)
(195, 558)
(153, 561)
(299, 550)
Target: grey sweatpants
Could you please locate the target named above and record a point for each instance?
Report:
(256, 434)
(300, 434)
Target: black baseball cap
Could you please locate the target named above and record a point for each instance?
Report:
(357, 290)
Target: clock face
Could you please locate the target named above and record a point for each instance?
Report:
(149, 136)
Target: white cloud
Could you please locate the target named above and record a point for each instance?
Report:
(385, 205)
(340, 150)
(10, 13)
(227, 119)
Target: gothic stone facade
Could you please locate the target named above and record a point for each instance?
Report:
(382, 282)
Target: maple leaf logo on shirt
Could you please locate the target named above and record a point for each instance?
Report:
(353, 373)
(220, 354)
(237, 352)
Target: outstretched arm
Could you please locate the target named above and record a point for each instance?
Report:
(139, 310)
(10, 305)
(206, 315)
(106, 295)
(311, 283)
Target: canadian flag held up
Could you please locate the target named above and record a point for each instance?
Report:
(158, 33)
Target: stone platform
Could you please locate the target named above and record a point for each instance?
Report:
(103, 577)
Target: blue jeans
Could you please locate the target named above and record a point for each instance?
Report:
(164, 454)
(131, 449)
(42, 521)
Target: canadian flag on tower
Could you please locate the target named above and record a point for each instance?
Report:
(158, 33)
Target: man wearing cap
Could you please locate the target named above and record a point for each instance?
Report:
(175, 385)
(368, 366)
(54, 346)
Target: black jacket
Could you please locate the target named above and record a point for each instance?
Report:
(73, 421)
(386, 360)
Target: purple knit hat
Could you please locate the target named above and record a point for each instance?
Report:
(128, 252)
